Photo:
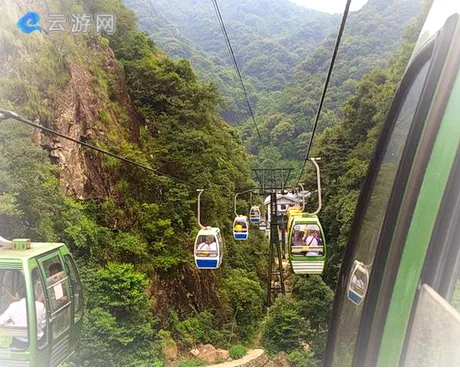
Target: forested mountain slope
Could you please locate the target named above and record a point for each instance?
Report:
(371, 35)
(269, 39)
(131, 231)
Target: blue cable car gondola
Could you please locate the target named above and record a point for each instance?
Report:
(209, 245)
(240, 228)
(262, 225)
(254, 214)
(208, 248)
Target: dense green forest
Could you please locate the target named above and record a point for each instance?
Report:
(132, 231)
(371, 35)
(283, 51)
(269, 39)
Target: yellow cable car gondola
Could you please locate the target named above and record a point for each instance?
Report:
(240, 223)
(240, 228)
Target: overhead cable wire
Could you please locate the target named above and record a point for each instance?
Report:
(6, 114)
(235, 64)
(326, 84)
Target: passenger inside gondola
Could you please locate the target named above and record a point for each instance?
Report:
(15, 314)
(255, 212)
(241, 227)
(312, 240)
(206, 247)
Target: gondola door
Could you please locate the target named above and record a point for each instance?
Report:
(41, 339)
(59, 305)
(77, 300)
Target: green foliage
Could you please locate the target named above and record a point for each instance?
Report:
(237, 351)
(245, 296)
(364, 47)
(197, 329)
(284, 328)
(118, 320)
(191, 363)
(301, 358)
(315, 300)
(269, 39)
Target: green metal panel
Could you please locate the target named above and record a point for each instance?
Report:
(35, 250)
(420, 231)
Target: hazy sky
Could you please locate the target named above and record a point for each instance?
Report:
(330, 6)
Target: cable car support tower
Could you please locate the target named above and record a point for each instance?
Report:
(273, 181)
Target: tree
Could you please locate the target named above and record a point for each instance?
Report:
(118, 321)
(284, 329)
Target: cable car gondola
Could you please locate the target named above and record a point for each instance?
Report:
(397, 297)
(306, 240)
(40, 282)
(208, 248)
(262, 225)
(254, 214)
(240, 228)
(307, 245)
(209, 245)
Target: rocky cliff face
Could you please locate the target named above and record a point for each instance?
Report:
(74, 85)
(71, 84)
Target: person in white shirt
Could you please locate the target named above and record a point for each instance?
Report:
(208, 246)
(16, 315)
(311, 241)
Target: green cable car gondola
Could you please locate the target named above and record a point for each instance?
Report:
(398, 292)
(306, 240)
(41, 305)
(307, 245)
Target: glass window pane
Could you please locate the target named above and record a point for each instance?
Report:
(206, 246)
(40, 309)
(61, 322)
(456, 296)
(56, 279)
(435, 332)
(369, 233)
(306, 240)
(76, 288)
(13, 309)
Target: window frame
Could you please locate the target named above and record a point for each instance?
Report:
(34, 265)
(416, 156)
(77, 313)
(424, 56)
(55, 313)
(442, 263)
(19, 267)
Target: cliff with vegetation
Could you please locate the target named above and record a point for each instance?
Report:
(131, 230)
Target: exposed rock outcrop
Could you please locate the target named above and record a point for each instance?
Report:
(76, 105)
(210, 354)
